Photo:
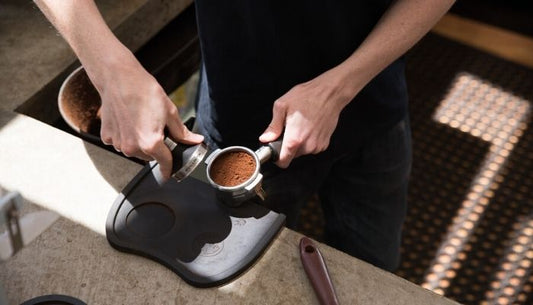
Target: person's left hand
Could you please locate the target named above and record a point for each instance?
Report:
(309, 113)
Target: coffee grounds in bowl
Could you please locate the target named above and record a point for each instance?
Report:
(81, 104)
(232, 168)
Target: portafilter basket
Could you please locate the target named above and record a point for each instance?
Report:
(234, 196)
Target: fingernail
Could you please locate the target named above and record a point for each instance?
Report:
(197, 137)
(266, 136)
(282, 165)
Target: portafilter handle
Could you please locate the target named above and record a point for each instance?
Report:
(269, 152)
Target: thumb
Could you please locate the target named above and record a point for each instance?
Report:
(179, 132)
(275, 128)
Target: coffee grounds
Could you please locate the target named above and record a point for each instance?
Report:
(232, 168)
(81, 104)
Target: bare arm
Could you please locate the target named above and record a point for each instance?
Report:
(309, 112)
(135, 109)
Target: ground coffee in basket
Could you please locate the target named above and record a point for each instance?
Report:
(232, 168)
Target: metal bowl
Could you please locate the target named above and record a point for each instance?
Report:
(77, 101)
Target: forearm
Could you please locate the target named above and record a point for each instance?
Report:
(82, 26)
(402, 26)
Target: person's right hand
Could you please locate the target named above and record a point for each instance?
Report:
(135, 111)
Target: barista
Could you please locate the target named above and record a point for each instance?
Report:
(325, 75)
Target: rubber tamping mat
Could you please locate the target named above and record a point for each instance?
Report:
(54, 299)
(183, 226)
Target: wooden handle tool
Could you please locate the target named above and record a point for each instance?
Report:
(317, 272)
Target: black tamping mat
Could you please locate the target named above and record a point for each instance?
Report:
(54, 299)
(183, 226)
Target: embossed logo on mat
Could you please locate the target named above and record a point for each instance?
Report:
(211, 249)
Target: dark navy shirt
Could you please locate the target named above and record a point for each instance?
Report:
(254, 51)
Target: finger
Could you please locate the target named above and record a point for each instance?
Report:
(107, 130)
(137, 153)
(106, 136)
(132, 147)
(180, 133)
(275, 128)
(116, 143)
(162, 155)
(289, 148)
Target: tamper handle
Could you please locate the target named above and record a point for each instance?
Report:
(177, 153)
(185, 158)
(317, 272)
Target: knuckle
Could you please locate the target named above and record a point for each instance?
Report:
(127, 152)
(317, 150)
(279, 105)
(325, 146)
(106, 136)
(129, 149)
(173, 111)
(322, 147)
(106, 139)
(294, 143)
(150, 146)
(292, 149)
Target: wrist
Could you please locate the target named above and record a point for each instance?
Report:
(109, 61)
(347, 84)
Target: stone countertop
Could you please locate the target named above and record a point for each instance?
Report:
(56, 171)
(52, 169)
(32, 53)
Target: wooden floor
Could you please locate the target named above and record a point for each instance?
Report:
(506, 44)
(486, 256)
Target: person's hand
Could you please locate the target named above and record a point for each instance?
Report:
(308, 113)
(135, 110)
